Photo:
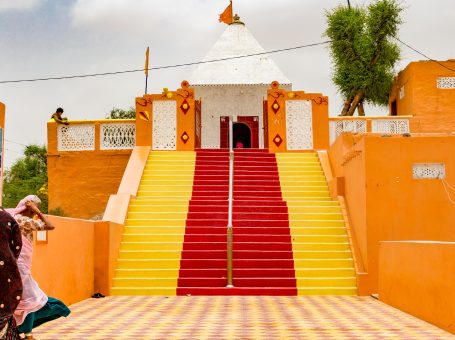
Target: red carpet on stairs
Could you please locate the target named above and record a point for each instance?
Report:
(263, 260)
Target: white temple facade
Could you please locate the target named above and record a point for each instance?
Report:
(235, 87)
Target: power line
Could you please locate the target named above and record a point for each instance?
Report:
(162, 67)
(431, 59)
(11, 141)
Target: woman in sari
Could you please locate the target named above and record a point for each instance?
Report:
(10, 279)
(35, 307)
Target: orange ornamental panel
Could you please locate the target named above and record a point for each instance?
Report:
(186, 136)
(276, 118)
(185, 117)
(276, 106)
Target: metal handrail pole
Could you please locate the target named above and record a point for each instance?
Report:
(229, 226)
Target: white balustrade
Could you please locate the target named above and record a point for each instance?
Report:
(117, 136)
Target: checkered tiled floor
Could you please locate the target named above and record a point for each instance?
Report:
(249, 317)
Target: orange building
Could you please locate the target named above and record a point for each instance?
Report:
(425, 90)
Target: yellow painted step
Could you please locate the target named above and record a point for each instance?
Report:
(147, 273)
(324, 272)
(326, 282)
(157, 215)
(153, 238)
(159, 187)
(152, 222)
(291, 199)
(317, 230)
(316, 216)
(154, 230)
(148, 263)
(312, 203)
(150, 254)
(306, 193)
(314, 209)
(145, 282)
(316, 223)
(317, 254)
(176, 246)
(296, 246)
(158, 208)
(323, 263)
(167, 194)
(161, 200)
(327, 291)
(145, 291)
(320, 238)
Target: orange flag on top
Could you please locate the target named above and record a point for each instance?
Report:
(226, 16)
(146, 68)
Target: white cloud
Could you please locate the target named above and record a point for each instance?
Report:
(20, 5)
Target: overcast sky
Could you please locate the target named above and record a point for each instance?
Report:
(44, 38)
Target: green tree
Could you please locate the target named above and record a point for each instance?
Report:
(363, 52)
(117, 113)
(27, 176)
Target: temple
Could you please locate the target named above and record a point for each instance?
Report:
(321, 205)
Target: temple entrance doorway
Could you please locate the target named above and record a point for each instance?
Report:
(245, 132)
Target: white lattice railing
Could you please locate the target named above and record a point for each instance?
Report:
(83, 135)
(386, 124)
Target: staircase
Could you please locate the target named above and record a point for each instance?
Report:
(322, 257)
(150, 251)
(263, 262)
(203, 265)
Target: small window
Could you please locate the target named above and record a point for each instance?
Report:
(393, 108)
(445, 83)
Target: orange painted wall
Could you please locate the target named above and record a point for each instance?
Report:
(80, 182)
(384, 201)
(78, 260)
(418, 278)
(64, 266)
(433, 108)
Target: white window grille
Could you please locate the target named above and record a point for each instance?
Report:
(445, 83)
(428, 171)
(353, 125)
(164, 125)
(401, 95)
(76, 137)
(117, 136)
(299, 125)
(392, 126)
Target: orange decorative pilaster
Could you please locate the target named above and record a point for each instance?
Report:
(186, 138)
(276, 118)
(144, 120)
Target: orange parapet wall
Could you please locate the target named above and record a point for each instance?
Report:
(78, 258)
(418, 278)
(385, 201)
(85, 165)
(275, 118)
(426, 90)
(185, 117)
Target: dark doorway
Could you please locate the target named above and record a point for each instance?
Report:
(246, 131)
(242, 136)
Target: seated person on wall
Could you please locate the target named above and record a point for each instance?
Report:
(10, 279)
(57, 117)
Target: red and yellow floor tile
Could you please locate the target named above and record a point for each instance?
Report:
(237, 317)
